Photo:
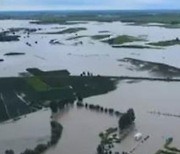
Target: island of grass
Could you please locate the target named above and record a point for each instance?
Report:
(95, 37)
(76, 37)
(166, 43)
(99, 37)
(122, 39)
(68, 30)
(25, 30)
(154, 68)
(135, 46)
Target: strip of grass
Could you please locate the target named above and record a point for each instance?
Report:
(99, 37)
(123, 39)
(68, 30)
(135, 47)
(75, 37)
(166, 43)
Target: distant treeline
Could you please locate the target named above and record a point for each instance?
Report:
(144, 16)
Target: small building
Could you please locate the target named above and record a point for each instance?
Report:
(138, 136)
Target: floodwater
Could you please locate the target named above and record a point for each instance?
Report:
(81, 127)
(81, 130)
(25, 133)
(93, 55)
(143, 97)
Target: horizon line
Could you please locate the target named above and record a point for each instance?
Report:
(65, 10)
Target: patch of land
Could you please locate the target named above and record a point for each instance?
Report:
(168, 149)
(95, 37)
(76, 37)
(25, 30)
(134, 46)
(54, 20)
(166, 43)
(14, 54)
(55, 42)
(99, 37)
(154, 68)
(68, 30)
(122, 39)
(164, 25)
(103, 31)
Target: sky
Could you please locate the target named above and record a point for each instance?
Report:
(87, 4)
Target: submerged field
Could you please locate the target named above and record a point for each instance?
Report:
(117, 62)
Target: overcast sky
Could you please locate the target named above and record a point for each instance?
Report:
(87, 4)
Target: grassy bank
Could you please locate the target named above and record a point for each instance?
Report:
(122, 39)
(166, 43)
(68, 31)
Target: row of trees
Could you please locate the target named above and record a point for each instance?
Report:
(55, 106)
(127, 119)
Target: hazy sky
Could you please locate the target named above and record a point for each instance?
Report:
(87, 4)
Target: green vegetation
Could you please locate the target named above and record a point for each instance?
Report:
(14, 53)
(126, 119)
(167, 146)
(54, 20)
(75, 37)
(95, 37)
(111, 136)
(99, 37)
(135, 46)
(37, 84)
(166, 43)
(56, 131)
(122, 39)
(167, 149)
(25, 30)
(170, 19)
(68, 31)
(108, 138)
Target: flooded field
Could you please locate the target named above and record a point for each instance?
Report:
(92, 55)
(81, 127)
